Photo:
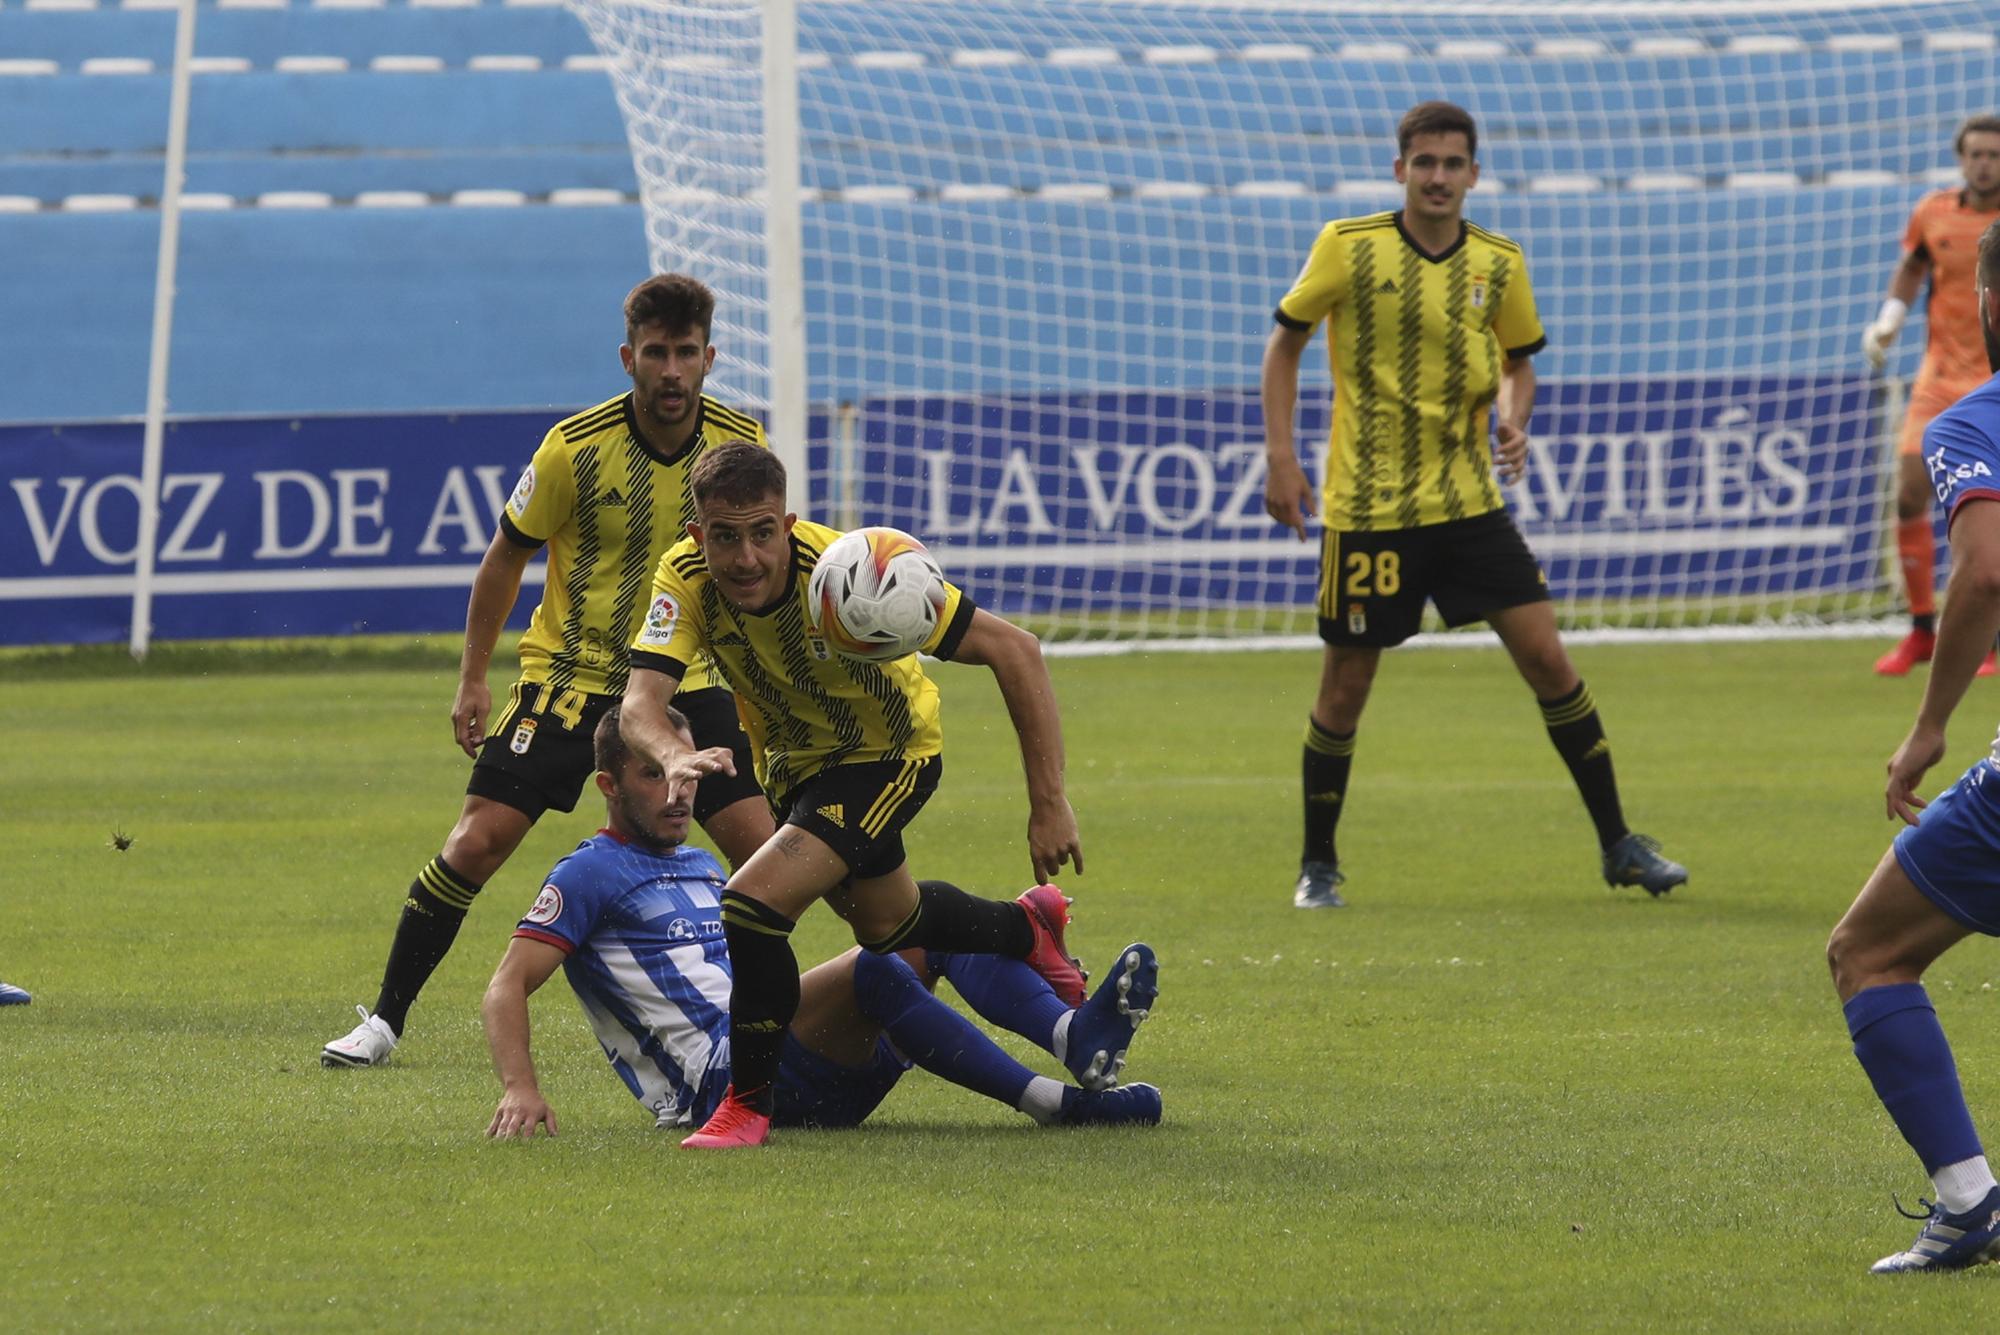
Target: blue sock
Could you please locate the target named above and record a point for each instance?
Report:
(932, 1034)
(1005, 992)
(1898, 1041)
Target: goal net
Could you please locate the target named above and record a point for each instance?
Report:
(1042, 243)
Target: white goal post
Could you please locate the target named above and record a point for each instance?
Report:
(1000, 272)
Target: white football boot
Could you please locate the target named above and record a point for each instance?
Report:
(367, 1044)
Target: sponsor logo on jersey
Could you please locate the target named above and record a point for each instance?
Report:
(548, 905)
(687, 929)
(524, 737)
(1388, 288)
(661, 618)
(611, 498)
(731, 639)
(835, 814)
(1946, 476)
(517, 504)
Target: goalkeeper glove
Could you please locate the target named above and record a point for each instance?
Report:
(1877, 337)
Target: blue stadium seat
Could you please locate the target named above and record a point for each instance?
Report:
(262, 36)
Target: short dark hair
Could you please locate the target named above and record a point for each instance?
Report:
(1984, 123)
(1989, 258)
(607, 744)
(1436, 118)
(672, 301)
(736, 472)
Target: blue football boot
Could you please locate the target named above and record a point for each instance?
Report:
(1101, 1029)
(1139, 1104)
(1948, 1241)
(1637, 860)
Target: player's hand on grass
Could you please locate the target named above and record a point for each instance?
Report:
(1510, 446)
(1053, 839)
(1288, 496)
(519, 1113)
(469, 713)
(1923, 748)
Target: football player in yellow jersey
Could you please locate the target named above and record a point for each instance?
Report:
(849, 751)
(1432, 324)
(606, 493)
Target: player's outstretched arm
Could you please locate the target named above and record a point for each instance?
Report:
(1288, 495)
(494, 590)
(1965, 632)
(1512, 408)
(1015, 659)
(1904, 284)
(642, 719)
(504, 1012)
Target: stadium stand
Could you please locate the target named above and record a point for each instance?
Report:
(417, 173)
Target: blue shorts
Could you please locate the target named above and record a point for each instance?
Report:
(817, 1091)
(1953, 853)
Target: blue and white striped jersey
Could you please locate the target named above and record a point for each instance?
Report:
(646, 957)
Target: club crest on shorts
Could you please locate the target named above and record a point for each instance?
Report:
(1357, 619)
(548, 905)
(524, 737)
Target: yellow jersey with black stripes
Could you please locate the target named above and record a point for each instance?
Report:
(607, 505)
(1416, 343)
(805, 707)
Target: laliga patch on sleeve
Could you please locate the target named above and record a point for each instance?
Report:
(661, 618)
(548, 905)
(517, 504)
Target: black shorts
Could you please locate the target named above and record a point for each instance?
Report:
(860, 810)
(538, 754)
(1372, 586)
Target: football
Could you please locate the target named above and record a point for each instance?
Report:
(875, 594)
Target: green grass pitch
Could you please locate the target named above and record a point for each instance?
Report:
(1491, 1095)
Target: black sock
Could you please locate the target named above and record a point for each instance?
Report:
(1926, 622)
(436, 906)
(1329, 756)
(764, 998)
(1579, 737)
(946, 918)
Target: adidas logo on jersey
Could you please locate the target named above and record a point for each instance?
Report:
(611, 498)
(834, 813)
(1388, 288)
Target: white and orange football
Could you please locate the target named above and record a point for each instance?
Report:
(875, 594)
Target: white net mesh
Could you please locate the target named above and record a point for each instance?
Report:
(1043, 243)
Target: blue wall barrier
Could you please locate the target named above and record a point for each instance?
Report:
(308, 526)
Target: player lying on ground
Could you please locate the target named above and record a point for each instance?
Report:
(1940, 880)
(847, 751)
(633, 917)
